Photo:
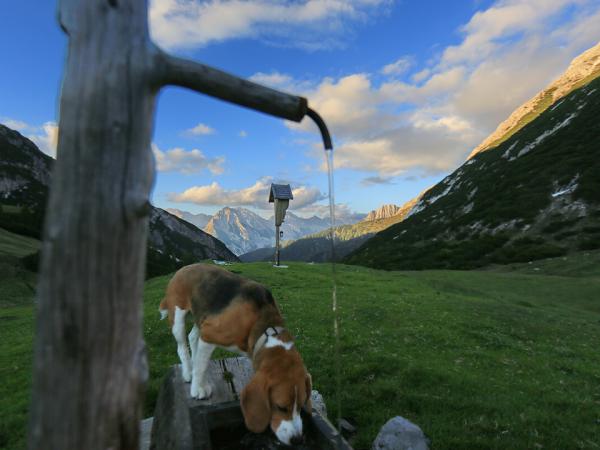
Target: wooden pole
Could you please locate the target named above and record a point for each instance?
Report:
(90, 364)
(277, 245)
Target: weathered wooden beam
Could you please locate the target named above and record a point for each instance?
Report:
(219, 84)
(90, 366)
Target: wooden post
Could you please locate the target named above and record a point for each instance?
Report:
(277, 245)
(90, 365)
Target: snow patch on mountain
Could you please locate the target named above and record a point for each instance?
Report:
(568, 189)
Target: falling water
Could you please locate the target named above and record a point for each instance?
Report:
(336, 327)
(334, 304)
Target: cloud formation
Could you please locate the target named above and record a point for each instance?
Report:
(186, 162)
(310, 24)
(429, 120)
(256, 196)
(200, 130)
(398, 67)
(376, 180)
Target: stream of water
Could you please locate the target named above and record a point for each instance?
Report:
(334, 303)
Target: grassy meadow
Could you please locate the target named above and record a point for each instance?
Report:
(503, 358)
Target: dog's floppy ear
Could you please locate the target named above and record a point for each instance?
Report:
(308, 403)
(255, 404)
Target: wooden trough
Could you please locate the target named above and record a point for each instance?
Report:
(183, 423)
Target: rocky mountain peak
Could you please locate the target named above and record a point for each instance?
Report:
(582, 69)
(383, 212)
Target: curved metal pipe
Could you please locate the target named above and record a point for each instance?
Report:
(322, 128)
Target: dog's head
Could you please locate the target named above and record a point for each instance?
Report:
(276, 395)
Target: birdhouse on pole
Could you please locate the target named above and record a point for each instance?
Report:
(280, 195)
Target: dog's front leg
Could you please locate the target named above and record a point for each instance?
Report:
(178, 331)
(193, 340)
(201, 388)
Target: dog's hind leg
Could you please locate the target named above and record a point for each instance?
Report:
(178, 331)
(201, 388)
(193, 340)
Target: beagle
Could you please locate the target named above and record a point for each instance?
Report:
(240, 315)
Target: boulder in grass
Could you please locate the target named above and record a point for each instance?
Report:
(400, 434)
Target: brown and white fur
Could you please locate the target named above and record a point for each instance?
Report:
(240, 315)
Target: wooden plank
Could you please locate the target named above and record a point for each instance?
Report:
(228, 377)
(242, 371)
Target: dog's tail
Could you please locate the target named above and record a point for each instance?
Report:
(163, 309)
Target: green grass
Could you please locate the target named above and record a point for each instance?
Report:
(479, 359)
(17, 245)
(11, 209)
(582, 264)
(16, 337)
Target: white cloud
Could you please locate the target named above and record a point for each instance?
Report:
(421, 75)
(485, 32)
(310, 24)
(305, 196)
(14, 124)
(186, 162)
(256, 196)
(46, 138)
(200, 130)
(273, 79)
(397, 151)
(343, 213)
(398, 67)
(508, 53)
(350, 106)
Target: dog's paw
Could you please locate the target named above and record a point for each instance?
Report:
(200, 392)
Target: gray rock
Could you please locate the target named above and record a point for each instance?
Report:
(318, 403)
(400, 434)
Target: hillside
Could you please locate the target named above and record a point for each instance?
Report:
(582, 70)
(24, 185)
(174, 242)
(533, 196)
(24, 181)
(478, 359)
(317, 247)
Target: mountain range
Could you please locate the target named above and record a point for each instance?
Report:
(25, 174)
(529, 191)
(199, 220)
(243, 230)
(317, 247)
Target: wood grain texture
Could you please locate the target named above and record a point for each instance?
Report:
(90, 363)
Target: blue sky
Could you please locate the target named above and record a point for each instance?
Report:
(408, 88)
